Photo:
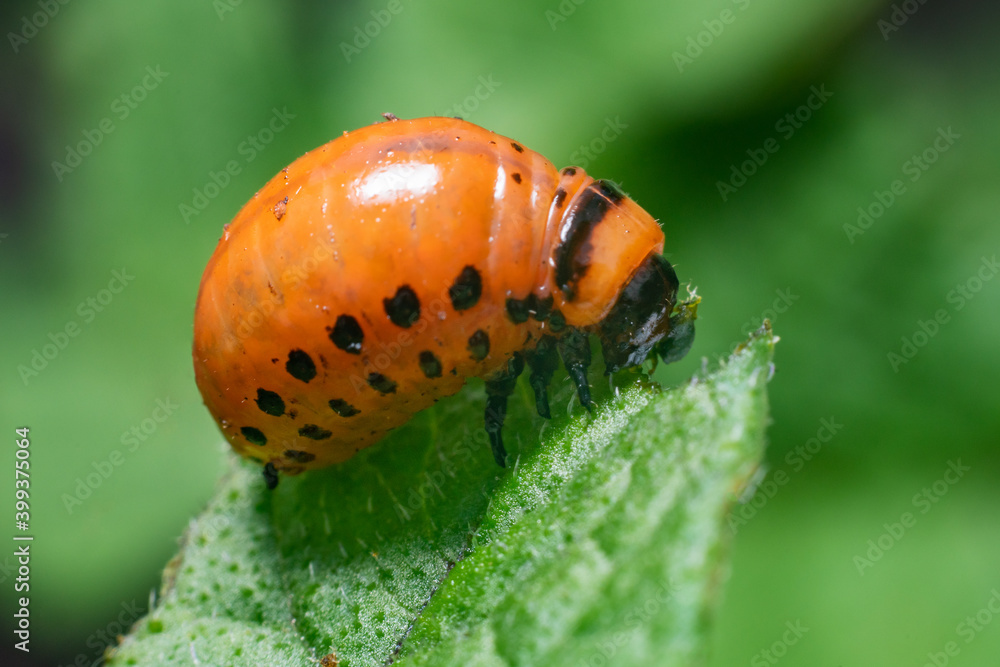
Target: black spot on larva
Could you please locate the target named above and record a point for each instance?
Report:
(403, 309)
(542, 308)
(347, 335)
(300, 366)
(343, 408)
(517, 147)
(381, 383)
(314, 432)
(560, 198)
(466, 289)
(557, 322)
(569, 171)
(270, 402)
(479, 345)
(572, 255)
(299, 457)
(430, 365)
(517, 310)
(517, 177)
(254, 435)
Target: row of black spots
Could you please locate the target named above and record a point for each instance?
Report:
(256, 437)
(572, 255)
(519, 310)
(271, 403)
(403, 309)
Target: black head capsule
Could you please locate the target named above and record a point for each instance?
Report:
(681, 336)
(641, 317)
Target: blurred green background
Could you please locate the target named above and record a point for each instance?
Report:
(668, 98)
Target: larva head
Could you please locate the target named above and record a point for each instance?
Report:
(643, 318)
(614, 279)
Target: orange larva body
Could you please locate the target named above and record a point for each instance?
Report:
(374, 274)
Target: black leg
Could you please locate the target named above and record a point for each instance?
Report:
(543, 361)
(270, 475)
(497, 390)
(574, 348)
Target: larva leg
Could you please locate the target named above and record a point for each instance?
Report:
(497, 390)
(270, 475)
(574, 348)
(542, 361)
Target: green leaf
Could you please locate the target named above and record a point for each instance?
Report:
(606, 538)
